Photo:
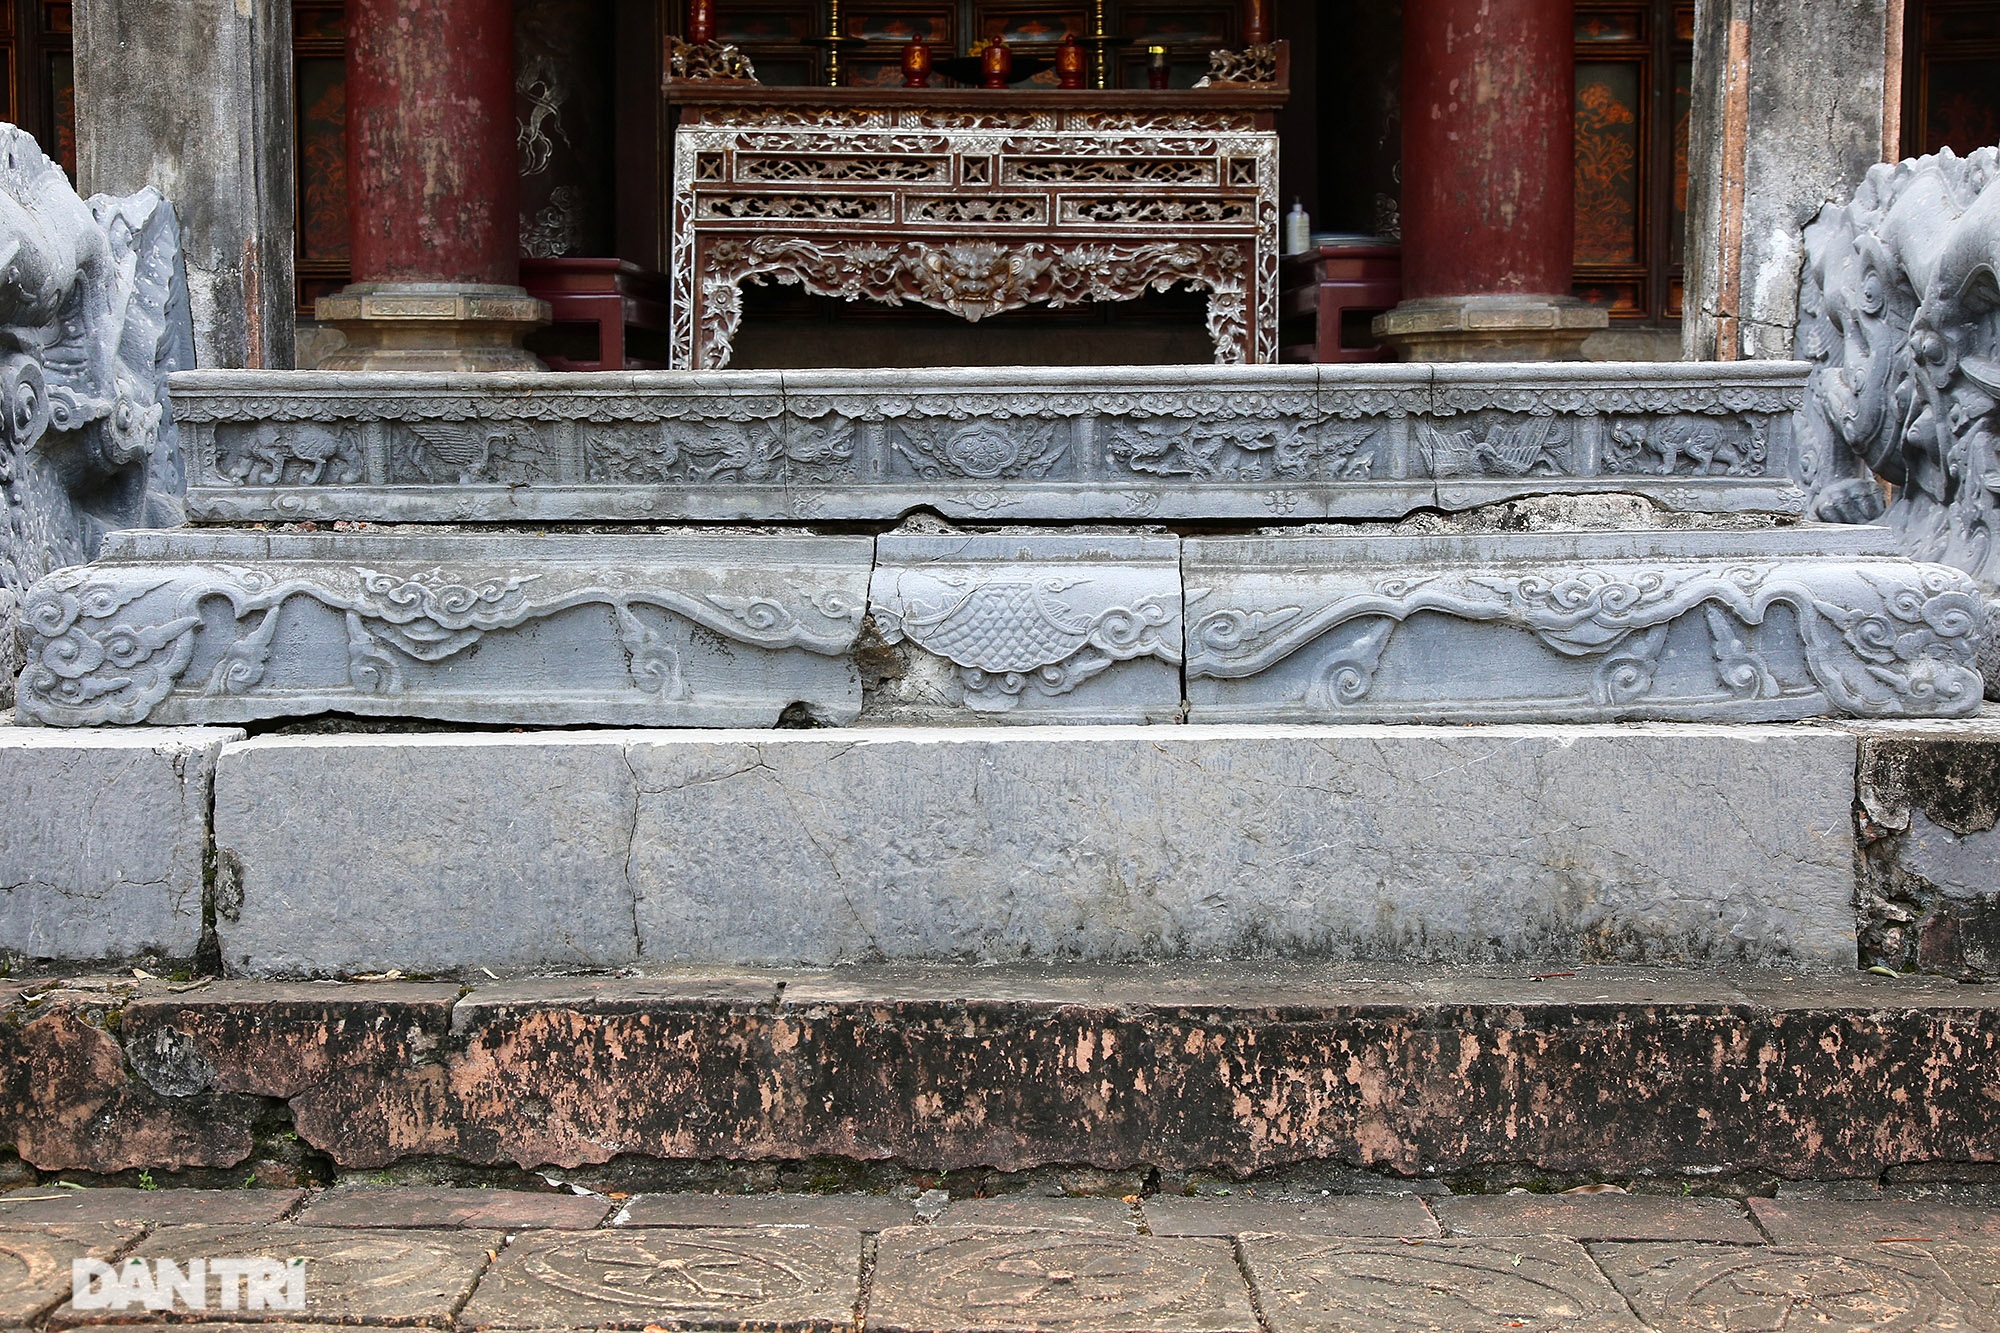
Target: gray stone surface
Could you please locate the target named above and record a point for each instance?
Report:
(424, 853)
(1755, 626)
(1218, 842)
(1787, 115)
(1898, 326)
(102, 838)
(214, 626)
(1504, 843)
(195, 99)
(1030, 627)
(94, 305)
(1125, 444)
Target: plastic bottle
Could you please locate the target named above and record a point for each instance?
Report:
(1298, 229)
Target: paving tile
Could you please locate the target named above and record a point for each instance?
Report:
(1825, 1222)
(209, 1207)
(971, 1280)
(1732, 1287)
(351, 1276)
(1027, 1210)
(863, 1212)
(1975, 1268)
(1319, 1285)
(1598, 1217)
(415, 1206)
(800, 1279)
(1336, 1215)
(35, 1263)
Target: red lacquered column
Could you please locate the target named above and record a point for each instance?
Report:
(1488, 202)
(433, 191)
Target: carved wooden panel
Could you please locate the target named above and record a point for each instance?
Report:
(1633, 74)
(975, 205)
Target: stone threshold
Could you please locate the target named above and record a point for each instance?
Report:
(469, 853)
(1241, 1068)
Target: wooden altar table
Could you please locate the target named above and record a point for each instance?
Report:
(975, 201)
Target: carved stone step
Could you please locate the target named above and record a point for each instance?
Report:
(731, 629)
(642, 630)
(1740, 626)
(1120, 444)
(1031, 627)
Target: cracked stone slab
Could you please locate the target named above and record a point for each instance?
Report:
(1122, 444)
(232, 626)
(1339, 1215)
(1817, 1222)
(101, 841)
(35, 1262)
(861, 1212)
(40, 1207)
(1030, 627)
(1767, 625)
(1856, 1286)
(1599, 1217)
(966, 1280)
(1315, 1285)
(425, 853)
(1151, 843)
(1025, 1211)
(795, 1279)
(406, 1277)
(410, 1206)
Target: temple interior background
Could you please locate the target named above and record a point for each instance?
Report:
(596, 144)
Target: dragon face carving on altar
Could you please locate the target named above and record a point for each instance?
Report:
(93, 315)
(1899, 315)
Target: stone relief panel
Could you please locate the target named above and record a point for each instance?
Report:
(1900, 324)
(193, 626)
(95, 305)
(1761, 626)
(1056, 627)
(1258, 443)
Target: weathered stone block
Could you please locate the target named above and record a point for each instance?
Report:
(1760, 625)
(1031, 627)
(1370, 842)
(1929, 806)
(234, 626)
(1123, 444)
(425, 853)
(102, 840)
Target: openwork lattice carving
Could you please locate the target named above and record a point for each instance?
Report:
(709, 60)
(1253, 64)
(972, 211)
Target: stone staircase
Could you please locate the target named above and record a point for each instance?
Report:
(1263, 735)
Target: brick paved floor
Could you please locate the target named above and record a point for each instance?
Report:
(1247, 1263)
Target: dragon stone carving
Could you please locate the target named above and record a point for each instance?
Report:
(1900, 320)
(93, 315)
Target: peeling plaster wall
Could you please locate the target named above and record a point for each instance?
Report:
(194, 97)
(1789, 114)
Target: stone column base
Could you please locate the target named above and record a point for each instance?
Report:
(435, 326)
(1490, 328)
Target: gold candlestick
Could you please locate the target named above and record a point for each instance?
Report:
(834, 38)
(1099, 46)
